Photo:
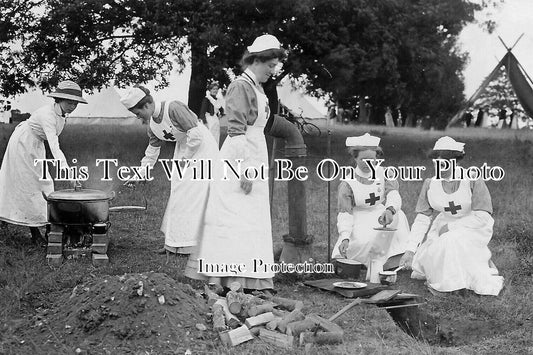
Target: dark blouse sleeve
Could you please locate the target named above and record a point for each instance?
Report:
(241, 107)
(204, 109)
(422, 205)
(481, 200)
(181, 116)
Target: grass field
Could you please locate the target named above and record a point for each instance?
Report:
(505, 323)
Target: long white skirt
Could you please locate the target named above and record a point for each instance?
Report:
(213, 124)
(366, 243)
(21, 200)
(184, 214)
(458, 259)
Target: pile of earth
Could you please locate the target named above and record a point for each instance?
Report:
(132, 313)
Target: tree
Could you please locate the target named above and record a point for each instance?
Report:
(395, 52)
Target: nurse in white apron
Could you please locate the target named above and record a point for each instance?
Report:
(211, 110)
(21, 187)
(173, 121)
(238, 229)
(365, 203)
(455, 254)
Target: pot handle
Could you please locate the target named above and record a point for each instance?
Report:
(44, 195)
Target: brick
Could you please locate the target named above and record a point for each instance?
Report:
(54, 259)
(100, 239)
(99, 248)
(100, 260)
(55, 237)
(54, 248)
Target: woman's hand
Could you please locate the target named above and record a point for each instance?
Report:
(246, 185)
(444, 229)
(386, 218)
(344, 247)
(407, 260)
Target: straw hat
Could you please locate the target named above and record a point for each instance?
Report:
(68, 90)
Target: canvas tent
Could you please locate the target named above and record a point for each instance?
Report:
(297, 102)
(519, 79)
(103, 107)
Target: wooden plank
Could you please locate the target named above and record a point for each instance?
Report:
(327, 285)
(381, 296)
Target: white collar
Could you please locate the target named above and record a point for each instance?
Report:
(252, 76)
(361, 173)
(58, 111)
(157, 109)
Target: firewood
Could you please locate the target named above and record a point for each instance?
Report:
(279, 312)
(235, 286)
(273, 324)
(211, 296)
(325, 324)
(249, 301)
(236, 336)
(295, 328)
(234, 300)
(320, 338)
(231, 320)
(287, 304)
(255, 330)
(258, 309)
(281, 340)
(219, 320)
(259, 320)
(294, 316)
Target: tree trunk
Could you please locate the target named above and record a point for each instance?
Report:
(199, 73)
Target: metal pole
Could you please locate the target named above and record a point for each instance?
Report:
(328, 152)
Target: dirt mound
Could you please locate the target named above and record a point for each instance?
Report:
(129, 313)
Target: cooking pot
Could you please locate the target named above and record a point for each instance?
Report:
(83, 206)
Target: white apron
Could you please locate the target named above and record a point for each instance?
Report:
(460, 257)
(21, 200)
(366, 243)
(213, 123)
(184, 214)
(238, 228)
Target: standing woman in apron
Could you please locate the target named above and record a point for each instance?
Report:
(173, 121)
(455, 254)
(238, 229)
(211, 110)
(21, 187)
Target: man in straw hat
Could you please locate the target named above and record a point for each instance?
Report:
(21, 201)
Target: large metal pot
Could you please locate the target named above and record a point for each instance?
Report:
(78, 206)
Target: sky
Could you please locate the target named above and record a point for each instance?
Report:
(513, 17)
